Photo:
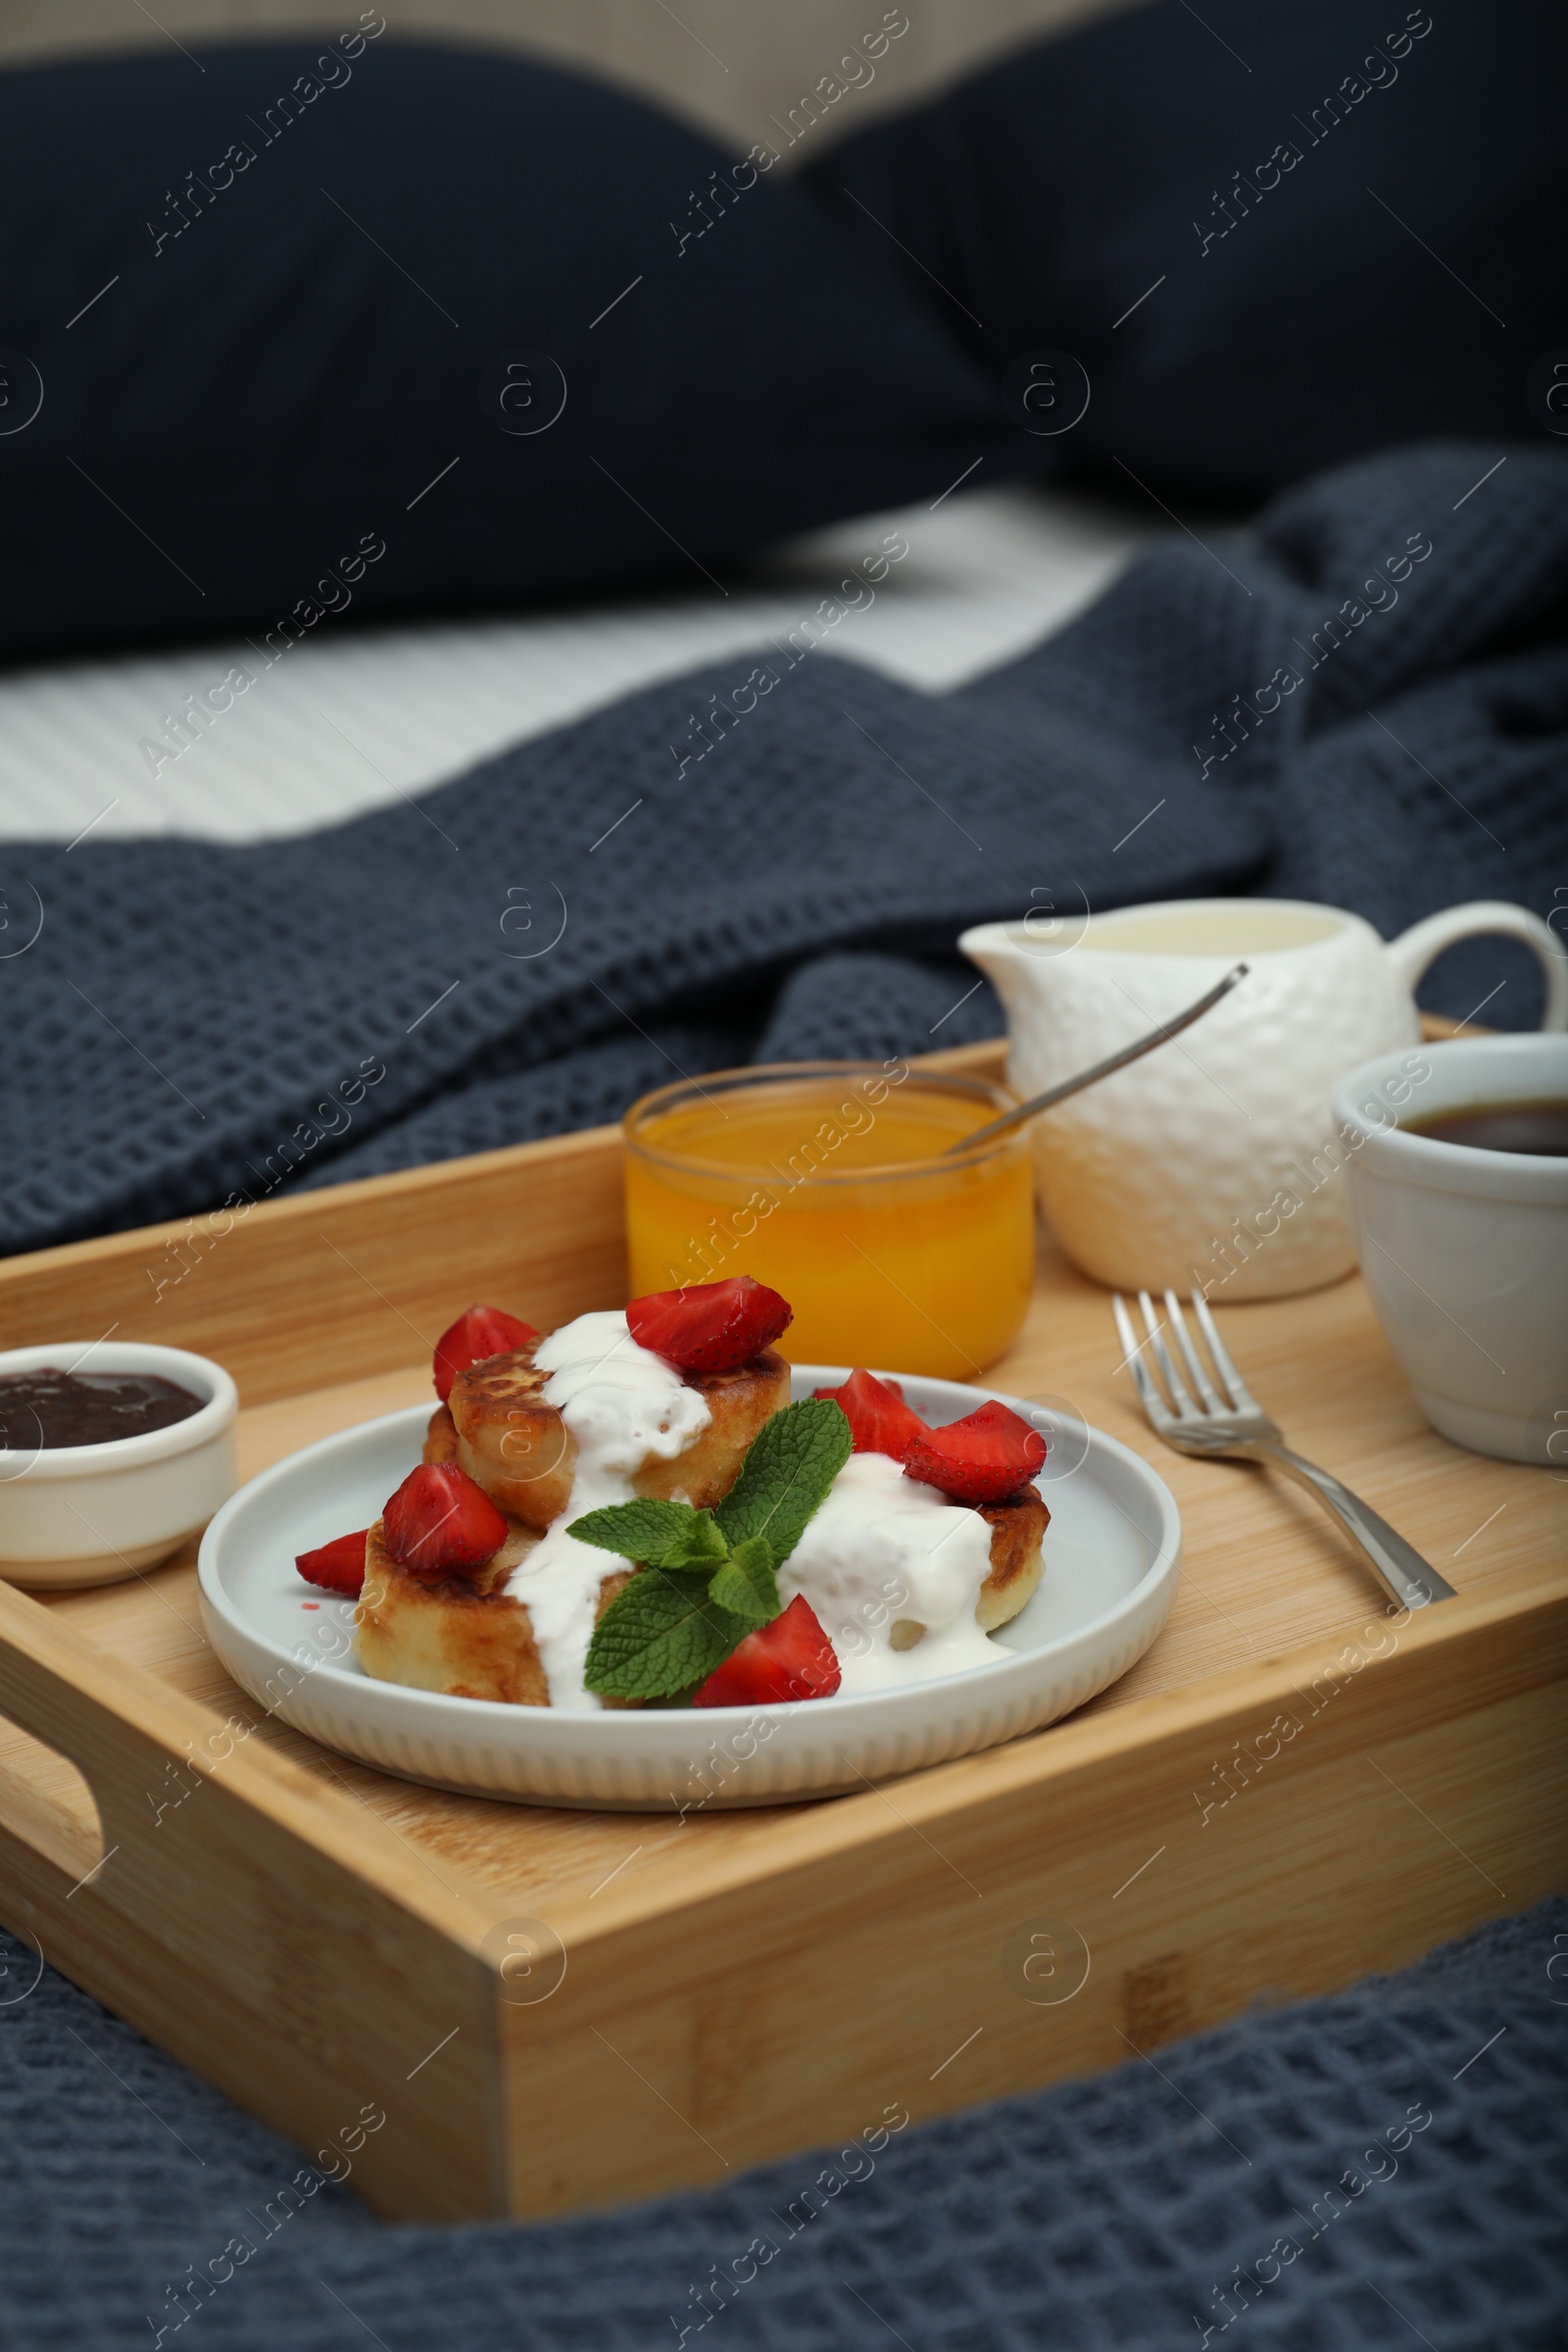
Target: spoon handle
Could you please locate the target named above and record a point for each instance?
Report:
(1101, 1069)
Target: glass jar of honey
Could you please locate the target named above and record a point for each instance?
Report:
(833, 1182)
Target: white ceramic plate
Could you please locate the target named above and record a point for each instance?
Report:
(1112, 1558)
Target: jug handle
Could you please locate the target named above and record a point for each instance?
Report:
(1414, 949)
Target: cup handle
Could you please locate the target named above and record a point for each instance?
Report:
(1415, 948)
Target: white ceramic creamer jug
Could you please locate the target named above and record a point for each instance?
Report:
(1212, 1163)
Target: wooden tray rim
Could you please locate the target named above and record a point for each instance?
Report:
(46, 1671)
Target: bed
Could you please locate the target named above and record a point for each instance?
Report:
(358, 716)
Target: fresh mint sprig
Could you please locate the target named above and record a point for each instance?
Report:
(706, 1578)
(746, 1584)
(789, 1466)
(663, 1635)
(660, 1535)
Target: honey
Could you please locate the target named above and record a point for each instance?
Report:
(827, 1181)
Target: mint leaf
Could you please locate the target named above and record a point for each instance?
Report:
(702, 1544)
(710, 1574)
(664, 1535)
(746, 1584)
(789, 1467)
(661, 1634)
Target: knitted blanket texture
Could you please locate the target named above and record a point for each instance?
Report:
(1383, 2168)
(1363, 701)
(772, 859)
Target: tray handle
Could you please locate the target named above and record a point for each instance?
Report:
(203, 1921)
(134, 1740)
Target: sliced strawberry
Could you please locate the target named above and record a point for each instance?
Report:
(482, 1331)
(879, 1420)
(791, 1658)
(713, 1327)
(338, 1566)
(439, 1523)
(983, 1458)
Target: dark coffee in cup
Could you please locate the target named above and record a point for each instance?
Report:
(1538, 1127)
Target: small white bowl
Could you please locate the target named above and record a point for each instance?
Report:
(94, 1515)
(1465, 1251)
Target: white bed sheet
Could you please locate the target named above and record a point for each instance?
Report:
(356, 719)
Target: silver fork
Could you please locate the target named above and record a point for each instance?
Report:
(1228, 1421)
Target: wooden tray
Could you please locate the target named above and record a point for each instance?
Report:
(1288, 1792)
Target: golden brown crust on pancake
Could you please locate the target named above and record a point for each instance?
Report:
(740, 1401)
(469, 1639)
(1016, 1562)
(441, 1438)
(515, 1445)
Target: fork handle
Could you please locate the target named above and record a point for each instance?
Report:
(1398, 1566)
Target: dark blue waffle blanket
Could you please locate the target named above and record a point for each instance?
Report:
(1381, 2167)
(773, 859)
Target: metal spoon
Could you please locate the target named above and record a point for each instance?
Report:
(1101, 1069)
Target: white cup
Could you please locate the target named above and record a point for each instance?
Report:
(1465, 1251)
(1212, 1164)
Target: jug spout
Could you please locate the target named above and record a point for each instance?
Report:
(1005, 960)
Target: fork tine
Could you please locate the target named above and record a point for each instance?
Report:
(1212, 1400)
(1185, 1409)
(1223, 1362)
(1148, 1393)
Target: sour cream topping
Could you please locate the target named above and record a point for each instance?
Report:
(622, 1404)
(620, 1401)
(883, 1552)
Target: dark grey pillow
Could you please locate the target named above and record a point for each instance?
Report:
(1274, 237)
(287, 305)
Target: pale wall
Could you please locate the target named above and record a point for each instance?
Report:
(726, 65)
